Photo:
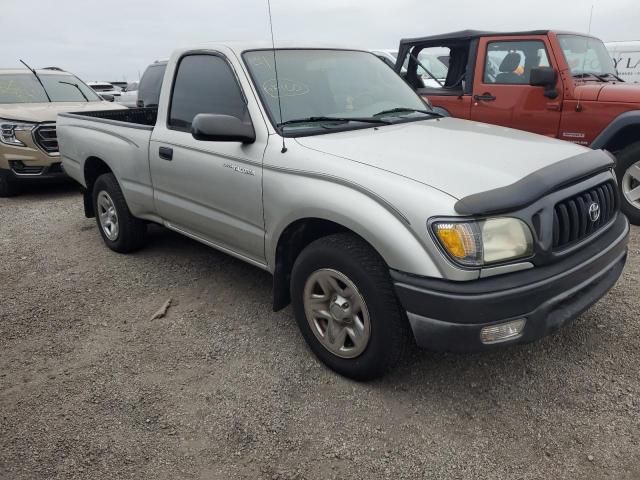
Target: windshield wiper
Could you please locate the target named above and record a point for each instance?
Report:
(431, 113)
(589, 74)
(333, 119)
(77, 86)
(35, 74)
(608, 74)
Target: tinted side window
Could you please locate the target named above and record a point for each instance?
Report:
(150, 84)
(511, 62)
(204, 84)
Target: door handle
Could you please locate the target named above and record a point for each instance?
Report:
(166, 153)
(485, 97)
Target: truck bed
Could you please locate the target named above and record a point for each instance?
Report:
(139, 116)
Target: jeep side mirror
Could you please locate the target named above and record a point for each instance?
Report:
(546, 77)
(222, 128)
(107, 97)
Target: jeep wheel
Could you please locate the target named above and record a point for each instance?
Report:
(120, 230)
(9, 187)
(346, 308)
(628, 173)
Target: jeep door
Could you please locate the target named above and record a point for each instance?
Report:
(211, 190)
(501, 91)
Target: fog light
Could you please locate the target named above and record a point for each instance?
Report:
(16, 164)
(502, 332)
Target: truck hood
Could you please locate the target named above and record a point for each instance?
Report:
(608, 92)
(455, 156)
(620, 92)
(47, 112)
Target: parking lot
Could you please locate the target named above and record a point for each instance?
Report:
(222, 387)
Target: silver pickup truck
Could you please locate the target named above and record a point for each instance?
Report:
(381, 222)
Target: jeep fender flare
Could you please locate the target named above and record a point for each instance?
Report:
(618, 124)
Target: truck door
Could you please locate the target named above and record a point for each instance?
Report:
(210, 190)
(501, 92)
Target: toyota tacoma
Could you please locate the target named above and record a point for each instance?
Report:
(382, 222)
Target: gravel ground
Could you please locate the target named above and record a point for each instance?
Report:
(222, 387)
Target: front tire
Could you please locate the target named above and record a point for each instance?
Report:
(628, 173)
(121, 231)
(346, 307)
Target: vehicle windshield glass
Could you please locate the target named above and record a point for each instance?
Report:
(25, 88)
(328, 83)
(586, 55)
(433, 64)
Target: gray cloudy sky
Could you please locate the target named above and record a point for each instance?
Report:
(113, 40)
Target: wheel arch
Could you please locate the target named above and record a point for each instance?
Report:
(399, 249)
(93, 168)
(293, 239)
(621, 132)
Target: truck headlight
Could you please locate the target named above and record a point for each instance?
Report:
(8, 129)
(482, 242)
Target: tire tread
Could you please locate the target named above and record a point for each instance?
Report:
(398, 338)
(132, 230)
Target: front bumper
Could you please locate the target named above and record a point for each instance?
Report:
(30, 162)
(449, 316)
(35, 173)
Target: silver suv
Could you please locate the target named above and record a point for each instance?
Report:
(381, 222)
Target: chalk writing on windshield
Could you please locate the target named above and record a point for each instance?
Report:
(284, 88)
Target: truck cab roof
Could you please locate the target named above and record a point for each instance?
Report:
(240, 47)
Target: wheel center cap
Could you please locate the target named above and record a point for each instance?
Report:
(340, 309)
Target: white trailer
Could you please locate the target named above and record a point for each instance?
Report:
(626, 56)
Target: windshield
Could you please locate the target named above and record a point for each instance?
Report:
(328, 83)
(25, 88)
(586, 55)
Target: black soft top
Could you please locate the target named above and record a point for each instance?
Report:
(464, 35)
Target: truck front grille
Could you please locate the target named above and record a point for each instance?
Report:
(46, 138)
(576, 218)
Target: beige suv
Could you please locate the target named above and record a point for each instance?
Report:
(29, 104)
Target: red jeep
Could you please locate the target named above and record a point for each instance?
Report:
(557, 84)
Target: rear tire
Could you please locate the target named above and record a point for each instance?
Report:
(9, 187)
(346, 307)
(121, 231)
(628, 173)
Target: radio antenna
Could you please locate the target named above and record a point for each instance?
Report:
(275, 67)
(584, 58)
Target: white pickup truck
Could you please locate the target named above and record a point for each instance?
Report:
(381, 222)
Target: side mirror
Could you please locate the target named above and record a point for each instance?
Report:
(221, 128)
(107, 97)
(546, 77)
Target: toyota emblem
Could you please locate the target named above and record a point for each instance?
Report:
(594, 212)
